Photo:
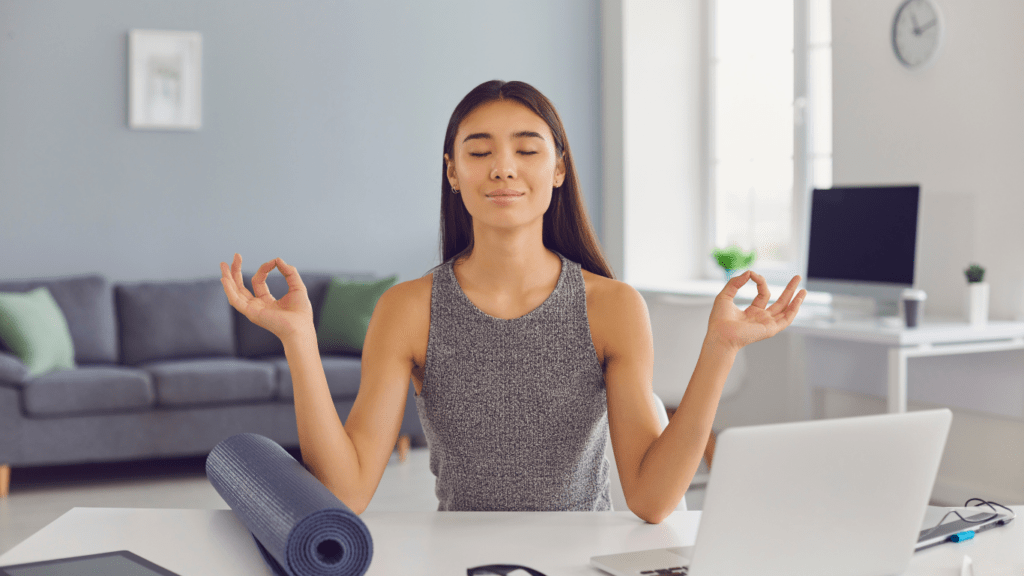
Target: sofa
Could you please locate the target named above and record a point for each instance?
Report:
(162, 369)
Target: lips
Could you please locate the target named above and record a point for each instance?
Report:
(503, 193)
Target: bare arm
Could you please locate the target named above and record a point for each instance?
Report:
(657, 468)
(350, 465)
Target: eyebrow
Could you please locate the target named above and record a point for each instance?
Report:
(487, 136)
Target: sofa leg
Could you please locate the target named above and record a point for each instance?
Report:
(5, 480)
(404, 442)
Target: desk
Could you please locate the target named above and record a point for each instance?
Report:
(929, 339)
(214, 542)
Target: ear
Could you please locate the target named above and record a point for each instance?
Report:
(453, 181)
(560, 171)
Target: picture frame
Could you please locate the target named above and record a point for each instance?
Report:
(165, 80)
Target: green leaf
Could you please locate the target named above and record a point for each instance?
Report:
(732, 258)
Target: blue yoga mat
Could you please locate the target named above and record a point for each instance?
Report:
(300, 527)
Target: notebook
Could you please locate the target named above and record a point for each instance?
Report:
(843, 496)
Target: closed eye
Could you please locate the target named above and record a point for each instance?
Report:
(482, 154)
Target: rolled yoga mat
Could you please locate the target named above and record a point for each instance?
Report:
(300, 527)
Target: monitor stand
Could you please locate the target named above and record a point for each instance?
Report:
(846, 308)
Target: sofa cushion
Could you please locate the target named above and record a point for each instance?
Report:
(88, 306)
(256, 342)
(32, 325)
(342, 374)
(211, 381)
(345, 315)
(88, 389)
(171, 320)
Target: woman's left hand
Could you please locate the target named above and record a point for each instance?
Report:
(736, 328)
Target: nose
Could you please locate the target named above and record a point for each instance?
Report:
(504, 167)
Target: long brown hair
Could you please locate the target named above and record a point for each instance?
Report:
(567, 229)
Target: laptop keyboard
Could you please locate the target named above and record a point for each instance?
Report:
(678, 570)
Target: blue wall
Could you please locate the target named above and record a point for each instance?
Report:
(321, 139)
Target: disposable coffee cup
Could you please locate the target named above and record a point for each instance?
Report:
(912, 305)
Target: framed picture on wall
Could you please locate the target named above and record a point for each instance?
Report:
(165, 80)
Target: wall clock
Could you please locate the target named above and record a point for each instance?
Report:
(916, 32)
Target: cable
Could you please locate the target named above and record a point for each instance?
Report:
(981, 502)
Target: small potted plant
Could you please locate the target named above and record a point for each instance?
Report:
(977, 295)
(732, 259)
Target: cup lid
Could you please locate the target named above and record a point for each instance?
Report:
(913, 294)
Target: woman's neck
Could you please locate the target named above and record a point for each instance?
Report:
(509, 262)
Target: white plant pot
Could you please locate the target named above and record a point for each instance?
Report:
(977, 303)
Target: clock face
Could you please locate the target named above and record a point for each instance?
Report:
(916, 32)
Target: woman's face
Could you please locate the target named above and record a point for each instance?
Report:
(505, 165)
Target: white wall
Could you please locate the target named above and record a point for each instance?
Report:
(655, 112)
(955, 128)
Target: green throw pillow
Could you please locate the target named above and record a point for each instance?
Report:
(33, 326)
(345, 314)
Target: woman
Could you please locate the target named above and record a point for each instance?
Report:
(524, 351)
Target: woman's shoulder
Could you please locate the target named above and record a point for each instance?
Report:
(409, 294)
(616, 312)
(607, 293)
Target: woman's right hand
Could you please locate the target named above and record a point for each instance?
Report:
(291, 315)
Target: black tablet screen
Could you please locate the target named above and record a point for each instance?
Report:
(121, 563)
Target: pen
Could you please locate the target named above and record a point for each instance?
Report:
(961, 536)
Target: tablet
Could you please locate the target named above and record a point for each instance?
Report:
(122, 563)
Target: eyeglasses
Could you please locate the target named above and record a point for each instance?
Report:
(499, 570)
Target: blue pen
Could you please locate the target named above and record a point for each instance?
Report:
(961, 536)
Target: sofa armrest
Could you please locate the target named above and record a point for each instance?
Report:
(11, 421)
(13, 372)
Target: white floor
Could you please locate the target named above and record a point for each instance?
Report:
(41, 496)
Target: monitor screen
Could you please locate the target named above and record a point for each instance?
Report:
(863, 234)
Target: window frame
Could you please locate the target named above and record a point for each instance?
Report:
(803, 148)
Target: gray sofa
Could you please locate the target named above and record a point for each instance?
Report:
(164, 369)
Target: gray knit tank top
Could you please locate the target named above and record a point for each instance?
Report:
(514, 411)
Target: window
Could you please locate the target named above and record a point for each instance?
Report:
(770, 126)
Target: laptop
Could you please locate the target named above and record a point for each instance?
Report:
(843, 496)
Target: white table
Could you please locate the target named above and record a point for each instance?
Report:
(214, 542)
(929, 339)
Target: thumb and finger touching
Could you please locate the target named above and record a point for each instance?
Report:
(769, 319)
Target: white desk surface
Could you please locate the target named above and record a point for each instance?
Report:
(214, 542)
(929, 332)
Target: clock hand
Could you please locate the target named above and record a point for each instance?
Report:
(927, 26)
(917, 30)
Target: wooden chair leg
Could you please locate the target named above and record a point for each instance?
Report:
(404, 443)
(709, 449)
(5, 480)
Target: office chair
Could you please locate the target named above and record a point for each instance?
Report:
(618, 496)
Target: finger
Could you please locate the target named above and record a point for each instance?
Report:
(794, 307)
(237, 301)
(734, 284)
(763, 295)
(259, 279)
(787, 295)
(236, 276)
(291, 275)
(228, 284)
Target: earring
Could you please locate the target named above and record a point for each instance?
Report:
(454, 191)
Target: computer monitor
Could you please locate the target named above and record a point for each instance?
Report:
(863, 241)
